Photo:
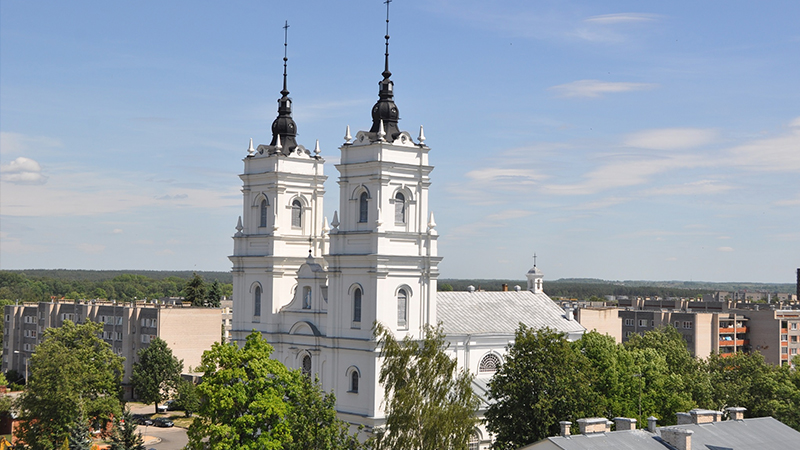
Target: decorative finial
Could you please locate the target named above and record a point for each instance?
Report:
(347, 137)
(250, 150)
(285, 91)
(386, 74)
(325, 227)
(335, 221)
(421, 137)
(239, 227)
(278, 145)
(431, 222)
(381, 133)
(316, 149)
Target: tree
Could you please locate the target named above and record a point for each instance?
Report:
(188, 399)
(428, 404)
(74, 378)
(244, 398)
(214, 295)
(125, 436)
(195, 290)
(544, 380)
(250, 401)
(313, 420)
(157, 372)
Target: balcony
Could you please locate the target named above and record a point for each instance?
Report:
(732, 330)
(732, 343)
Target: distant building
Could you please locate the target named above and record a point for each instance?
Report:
(126, 328)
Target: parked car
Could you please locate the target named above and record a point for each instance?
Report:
(170, 404)
(161, 408)
(142, 420)
(163, 423)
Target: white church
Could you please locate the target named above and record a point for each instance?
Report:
(314, 289)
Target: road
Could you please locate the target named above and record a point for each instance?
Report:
(171, 438)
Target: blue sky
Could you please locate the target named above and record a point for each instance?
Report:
(616, 140)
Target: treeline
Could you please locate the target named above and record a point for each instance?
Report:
(581, 290)
(16, 285)
(105, 275)
(546, 379)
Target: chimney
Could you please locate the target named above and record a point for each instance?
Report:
(505, 287)
(736, 412)
(651, 424)
(680, 438)
(699, 416)
(593, 425)
(565, 424)
(684, 418)
(624, 424)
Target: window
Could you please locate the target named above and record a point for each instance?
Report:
(784, 337)
(257, 298)
(489, 364)
(297, 214)
(363, 209)
(357, 305)
(628, 322)
(687, 325)
(784, 350)
(474, 441)
(642, 322)
(628, 333)
(793, 351)
(263, 212)
(652, 323)
(402, 308)
(8, 317)
(677, 324)
(306, 297)
(306, 366)
(354, 381)
(794, 338)
(794, 325)
(399, 208)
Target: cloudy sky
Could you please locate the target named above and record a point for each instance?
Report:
(616, 140)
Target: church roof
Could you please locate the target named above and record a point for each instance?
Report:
(500, 312)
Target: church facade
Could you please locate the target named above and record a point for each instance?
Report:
(314, 288)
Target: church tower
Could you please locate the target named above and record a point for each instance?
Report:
(281, 224)
(383, 257)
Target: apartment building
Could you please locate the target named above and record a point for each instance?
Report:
(126, 328)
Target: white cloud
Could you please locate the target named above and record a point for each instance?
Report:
(671, 138)
(613, 19)
(92, 249)
(117, 231)
(497, 220)
(16, 143)
(725, 249)
(789, 202)
(22, 171)
(701, 187)
(506, 177)
(597, 88)
(776, 154)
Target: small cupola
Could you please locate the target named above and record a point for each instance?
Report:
(535, 279)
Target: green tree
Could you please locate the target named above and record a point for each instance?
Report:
(428, 404)
(73, 375)
(214, 295)
(313, 420)
(80, 438)
(195, 290)
(544, 380)
(157, 373)
(125, 436)
(188, 398)
(244, 398)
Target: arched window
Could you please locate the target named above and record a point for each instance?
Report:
(474, 442)
(297, 214)
(402, 308)
(257, 298)
(357, 305)
(354, 381)
(489, 364)
(306, 297)
(306, 366)
(399, 208)
(363, 208)
(263, 211)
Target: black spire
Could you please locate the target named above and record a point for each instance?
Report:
(385, 110)
(284, 125)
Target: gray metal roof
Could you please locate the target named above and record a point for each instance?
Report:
(500, 312)
(762, 433)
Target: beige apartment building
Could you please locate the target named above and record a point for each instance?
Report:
(127, 328)
(707, 327)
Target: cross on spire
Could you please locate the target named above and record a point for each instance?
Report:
(386, 73)
(285, 53)
(534, 260)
